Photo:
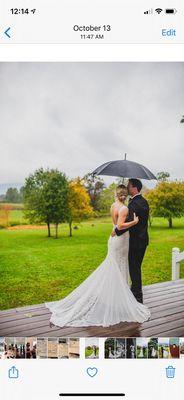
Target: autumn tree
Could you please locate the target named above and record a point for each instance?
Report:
(167, 200)
(46, 198)
(79, 202)
(5, 211)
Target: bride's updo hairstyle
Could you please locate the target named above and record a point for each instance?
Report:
(121, 193)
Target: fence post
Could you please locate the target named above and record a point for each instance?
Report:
(175, 264)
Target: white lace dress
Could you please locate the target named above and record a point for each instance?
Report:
(104, 298)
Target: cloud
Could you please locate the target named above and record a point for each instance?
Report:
(76, 116)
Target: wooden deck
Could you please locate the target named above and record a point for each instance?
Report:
(165, 300)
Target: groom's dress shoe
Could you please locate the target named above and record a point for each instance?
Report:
(139, 297)
(140, 300)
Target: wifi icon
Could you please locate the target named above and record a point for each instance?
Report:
(158, 10)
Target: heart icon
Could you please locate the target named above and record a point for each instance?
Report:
(92, 371)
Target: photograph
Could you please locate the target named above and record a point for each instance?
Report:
(141, 348)
(31, 346)
(163, 348)
(20, 347)
(153, 348)
(115, 348)
(9, 348)
(63, 351)
(92, 348)
(181, 347)
(74, 348)
(14, 348)
(120, 348)
(109, 348)
(2, 348)
(52, 348)
(42, 348)
(92, 202)
(131, 347)
(174, 347)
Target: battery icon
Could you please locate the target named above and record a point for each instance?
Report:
(170, 11)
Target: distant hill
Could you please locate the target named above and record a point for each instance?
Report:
(5, 186)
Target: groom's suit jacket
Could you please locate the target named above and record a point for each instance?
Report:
(139, 233)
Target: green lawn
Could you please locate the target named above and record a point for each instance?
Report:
(17, 218)
(34, 268)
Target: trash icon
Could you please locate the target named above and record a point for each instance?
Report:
(170, 372)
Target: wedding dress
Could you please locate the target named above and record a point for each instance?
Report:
(104, 298)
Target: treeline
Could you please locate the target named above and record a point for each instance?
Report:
(82, 198)
(13, 195)
(49, 197)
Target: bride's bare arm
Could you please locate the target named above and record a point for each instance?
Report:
(121, 224)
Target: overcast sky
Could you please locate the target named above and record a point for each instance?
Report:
(76, 116)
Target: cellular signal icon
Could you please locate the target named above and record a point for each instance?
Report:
(158, 10)
(149, 11)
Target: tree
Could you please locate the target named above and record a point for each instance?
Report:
(79, 203)
(163, 176)
(21, 194)
(167, 200)
(106, 199)
(12, 195)
(94, 186)
(46, 197)
(5, 211)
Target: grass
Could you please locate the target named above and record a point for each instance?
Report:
(34, 268)
(17, 218)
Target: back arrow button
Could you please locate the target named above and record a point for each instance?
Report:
(7, 33)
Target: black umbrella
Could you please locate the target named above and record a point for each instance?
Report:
(125, 169)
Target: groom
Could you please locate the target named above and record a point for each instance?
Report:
(138, 235)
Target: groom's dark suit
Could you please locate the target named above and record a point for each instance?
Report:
(138, 242)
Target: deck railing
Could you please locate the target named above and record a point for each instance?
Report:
(177, 257)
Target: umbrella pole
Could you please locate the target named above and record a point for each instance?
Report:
(125, 157)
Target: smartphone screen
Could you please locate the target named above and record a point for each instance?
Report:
(91, 200)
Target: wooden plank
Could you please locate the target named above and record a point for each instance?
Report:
(20, 316)
(162, 320)
(157, 309)
(167, 301)
(164, 293)
(46, 330)
(166, 312)
(162, 284)
(157, 330)
(176, 332)
(169, 289)
(164, 297)
(22, 309)
(123, 327)
(25, 321)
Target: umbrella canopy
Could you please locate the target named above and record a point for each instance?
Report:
(124, 169)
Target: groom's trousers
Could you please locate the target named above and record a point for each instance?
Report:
(136, 256)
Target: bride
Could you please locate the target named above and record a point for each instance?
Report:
(104, 298)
